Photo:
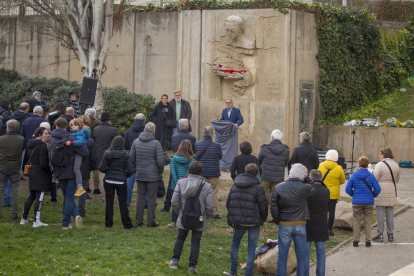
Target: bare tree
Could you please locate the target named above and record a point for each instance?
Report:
(83, 26)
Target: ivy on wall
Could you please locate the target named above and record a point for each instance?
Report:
(353, 64)
(388, 10)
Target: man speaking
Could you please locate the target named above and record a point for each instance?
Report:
(232, 114)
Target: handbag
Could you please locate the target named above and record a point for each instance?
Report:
(169, 123)
(27, 167)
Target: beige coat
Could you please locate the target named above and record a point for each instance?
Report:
(387, 195)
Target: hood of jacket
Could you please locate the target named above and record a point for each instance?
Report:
(34, 143)
(60, 133)
(4, 110)
(146, 137)
(115, 153)
(361, 173)
(182, 160)
(20, 115)
(245, 181)
(329, 165)
(193, 184)
(276, 147)
(138, 126)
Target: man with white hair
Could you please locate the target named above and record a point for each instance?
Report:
(31, 124)
(182, 110)
(289, 210)
(273, 158)
(183, 134)
(130, 135)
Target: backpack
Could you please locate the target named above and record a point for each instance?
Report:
(192, 218)
(58, 156)
(405, 164)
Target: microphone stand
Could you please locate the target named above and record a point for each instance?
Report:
(353, 145)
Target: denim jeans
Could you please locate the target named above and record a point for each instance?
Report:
(13, 176)
(298, 234)
(320, 257)
(253, 236)
(69, 188)
(130, 184)
(176, 130)
(7, 193)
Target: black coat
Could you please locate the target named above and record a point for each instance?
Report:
(240, 162)
(117, 165)
(4, 112)
(246, 202)
(89, 161)
(20, 116)
(273, 158)
(289, 201)
(33, 102)
(186, 112)
(316, 227)
(179, 137)
(52, 117)
(133, 133)
(68, 119)
(40, 177)
(306, 155)
(160, 120)
(103, 135)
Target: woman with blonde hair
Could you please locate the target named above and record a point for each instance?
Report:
(387, 172)
(179, 167)
(86, 120)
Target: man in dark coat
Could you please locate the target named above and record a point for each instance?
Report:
(31, 124)
(161, 115)
(316, 226)
(289, 209)
(210, 160)
(183, 134)
(12, 146)
(232, 114)
(66, 175)
(22, 114)
(69, 116)
(130, 136)
(273, 158)
(103, 135)
(305, 154)
(247, 211)
(37, 100)
(182, 109)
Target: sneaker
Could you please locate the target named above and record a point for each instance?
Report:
(39, 224)
(96, 192)
(22, 178)
(165, 210)
(368, 244)
(7, 205)
(78, 221)
(173, 265)
(378, 238)
(229, 274)
(355, 244)
(171, 225)
(14, 217)
(216, 216)
(139, 224)
(192, 270)
(80, 191)
(67, 227)
(331, 233)
(390, 237)
(155, 224)
(24, 221)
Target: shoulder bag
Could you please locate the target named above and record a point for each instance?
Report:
(392, 175)
(370, 188)
(169, 123)
(29, 164)
(204, 151)
(323, 179)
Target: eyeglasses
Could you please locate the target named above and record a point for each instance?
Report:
(228, 102)
(164, 98)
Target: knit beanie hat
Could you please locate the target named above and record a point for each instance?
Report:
(332, 155)
(35, 93)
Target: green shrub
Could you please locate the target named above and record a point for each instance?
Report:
(7, 76)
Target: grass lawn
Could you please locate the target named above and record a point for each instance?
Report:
(97, 250)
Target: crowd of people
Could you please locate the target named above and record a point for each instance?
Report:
(65, 148)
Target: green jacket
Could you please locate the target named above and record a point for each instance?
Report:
(11, 149)
(179, 168)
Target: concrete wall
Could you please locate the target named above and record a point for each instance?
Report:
(368, 141)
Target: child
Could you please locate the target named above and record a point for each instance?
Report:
(81, 136)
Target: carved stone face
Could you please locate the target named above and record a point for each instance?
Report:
(234, 28)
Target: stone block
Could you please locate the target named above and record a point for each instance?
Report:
(343, 215)
(268, 261)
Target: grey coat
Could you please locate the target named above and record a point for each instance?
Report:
(273, 158)
(147, 157)
(187, 187)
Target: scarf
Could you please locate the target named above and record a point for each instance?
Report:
(75, 104)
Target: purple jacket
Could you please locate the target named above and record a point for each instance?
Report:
(60, 136)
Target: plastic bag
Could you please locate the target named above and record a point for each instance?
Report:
(409, 123)
(391, 122)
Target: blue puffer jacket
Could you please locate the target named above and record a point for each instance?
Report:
(179, 168)
(81, 137)
(359, 191)
(211, 158)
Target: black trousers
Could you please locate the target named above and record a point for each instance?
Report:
(122, 192)
(168, 197)
(195, 245)
(331, 210)
(37, 197)
(53, 192)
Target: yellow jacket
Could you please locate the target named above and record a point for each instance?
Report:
(335, 177)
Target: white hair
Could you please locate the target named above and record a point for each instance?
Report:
(140, 117)
(183, 123)
(276, 134)
(298, 171)
(150, 127)
(46, 125)
(208, 131)
(90, 112)
(37, 110)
